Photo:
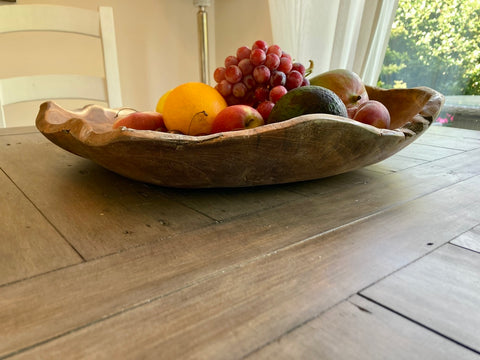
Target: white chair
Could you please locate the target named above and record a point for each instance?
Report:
(99, 24)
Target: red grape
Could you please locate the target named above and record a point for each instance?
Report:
(232, 100)
(294, 80)
(274, 49)
(285, 65)
(276, 93)
(277, 78)
(249, 99)
(257, 57)
(249, 81)
(299, 67)
(261, 74)
(261, 93)
(243, 52)
(260, 44)
(246, 66)
(284, 54)
(231, 60)
(224, 88)
(239, 90)
(233, 74)
(272, 61)
(265, 108)
(219, 74)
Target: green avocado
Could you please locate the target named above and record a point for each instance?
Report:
(307, 100)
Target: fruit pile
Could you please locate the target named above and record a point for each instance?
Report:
(259, 76)
(258, 86)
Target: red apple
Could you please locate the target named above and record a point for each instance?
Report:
(141, 120)
(373, 113)
(236, 117)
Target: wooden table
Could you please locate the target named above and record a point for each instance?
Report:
(379, 263)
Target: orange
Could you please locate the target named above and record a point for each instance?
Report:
(190, 108)
(161, 102)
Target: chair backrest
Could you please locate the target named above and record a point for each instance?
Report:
(99, 24)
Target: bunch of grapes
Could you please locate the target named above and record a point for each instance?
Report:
(259, 76)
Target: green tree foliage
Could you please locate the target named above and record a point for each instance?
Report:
(435, 44)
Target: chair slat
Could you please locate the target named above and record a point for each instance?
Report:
(40, 17)
(46, 87)
(49, 18)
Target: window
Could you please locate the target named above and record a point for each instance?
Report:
(435, 44)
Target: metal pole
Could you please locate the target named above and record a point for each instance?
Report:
(203, 37)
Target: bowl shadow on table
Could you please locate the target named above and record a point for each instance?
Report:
(218, 204)
(136, 213)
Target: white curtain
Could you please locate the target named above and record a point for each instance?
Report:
(350, 34)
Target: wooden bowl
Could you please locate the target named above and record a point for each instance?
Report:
(303, 148)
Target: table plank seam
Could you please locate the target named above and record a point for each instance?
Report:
(419, 323)
(18, 131)
(205, 278)
(447, 243)
(298, 326)
(463, 247)
(450, 147)
(252, 259)
(230, 268)
(243, 214)
(43, 215)
(306, 239)
(32, 277)
(212, 273)
(106, 317)
(370, 215)
(460, 152)
(198, 281)
(92, 323)
(436, 159)
(359, 293)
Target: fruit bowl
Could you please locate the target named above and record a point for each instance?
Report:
(303, 148)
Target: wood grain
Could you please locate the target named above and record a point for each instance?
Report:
(242, 269)
(223, 204)
(29, 244)
(426, 152)
(111, 213)
(18, 130)
(450, 142)
(440, 291)
(359, 329)
(452, 132)
(397, 163)
(228, 310)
